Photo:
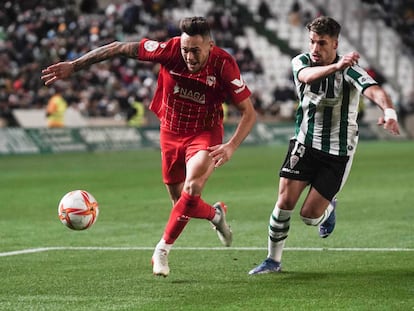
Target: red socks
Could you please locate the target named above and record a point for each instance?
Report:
(187, 207)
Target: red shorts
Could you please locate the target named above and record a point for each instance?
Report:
(177, 149)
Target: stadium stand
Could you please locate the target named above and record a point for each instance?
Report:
(34, 34)
(371, 27)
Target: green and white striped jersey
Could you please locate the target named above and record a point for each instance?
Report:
(328, 108)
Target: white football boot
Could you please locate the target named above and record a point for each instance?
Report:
(160, 262)
(222, 228)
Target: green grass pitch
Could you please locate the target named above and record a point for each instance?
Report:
(367, 263)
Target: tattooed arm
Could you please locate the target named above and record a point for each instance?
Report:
(63, 70)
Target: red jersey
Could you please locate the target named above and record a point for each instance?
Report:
(192, 102)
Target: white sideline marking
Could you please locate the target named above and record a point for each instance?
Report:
(145, 248)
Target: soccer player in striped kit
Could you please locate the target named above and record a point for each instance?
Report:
(195, 78)
(326, 134)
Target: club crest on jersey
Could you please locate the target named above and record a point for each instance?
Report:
(151, 45)
(211, 80)
(190, 94)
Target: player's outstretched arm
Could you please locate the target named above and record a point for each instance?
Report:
(377, 95)
(63, 70)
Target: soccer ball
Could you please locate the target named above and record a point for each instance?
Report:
(78, 210)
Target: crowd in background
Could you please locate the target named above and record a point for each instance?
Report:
(398, 14)
(37, 33)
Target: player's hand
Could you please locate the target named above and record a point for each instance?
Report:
(390, 125)
(348, 60)
(56, 72)
(220, 153)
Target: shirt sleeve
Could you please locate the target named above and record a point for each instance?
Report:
(359, 78)
(234, 82)
(298, 63)
(155, 51)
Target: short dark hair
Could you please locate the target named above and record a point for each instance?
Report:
(324, 25)
(196, 25)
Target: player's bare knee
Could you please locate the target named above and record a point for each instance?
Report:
(192, 187)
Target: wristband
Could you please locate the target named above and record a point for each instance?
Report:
(390, 113)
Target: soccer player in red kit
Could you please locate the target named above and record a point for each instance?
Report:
(195, 78)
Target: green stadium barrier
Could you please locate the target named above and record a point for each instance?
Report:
(16, 141)
(58, 140)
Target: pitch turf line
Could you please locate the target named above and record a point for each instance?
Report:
(144, 248)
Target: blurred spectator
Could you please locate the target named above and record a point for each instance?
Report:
(295, 14)
(398, 14)
(284, 100)
(258, 103)
(376, 75)
(264, 11)
(131, 17)
(136, 113)
(89, 6)
(225, 112)
(56, 107)
(284, 92)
